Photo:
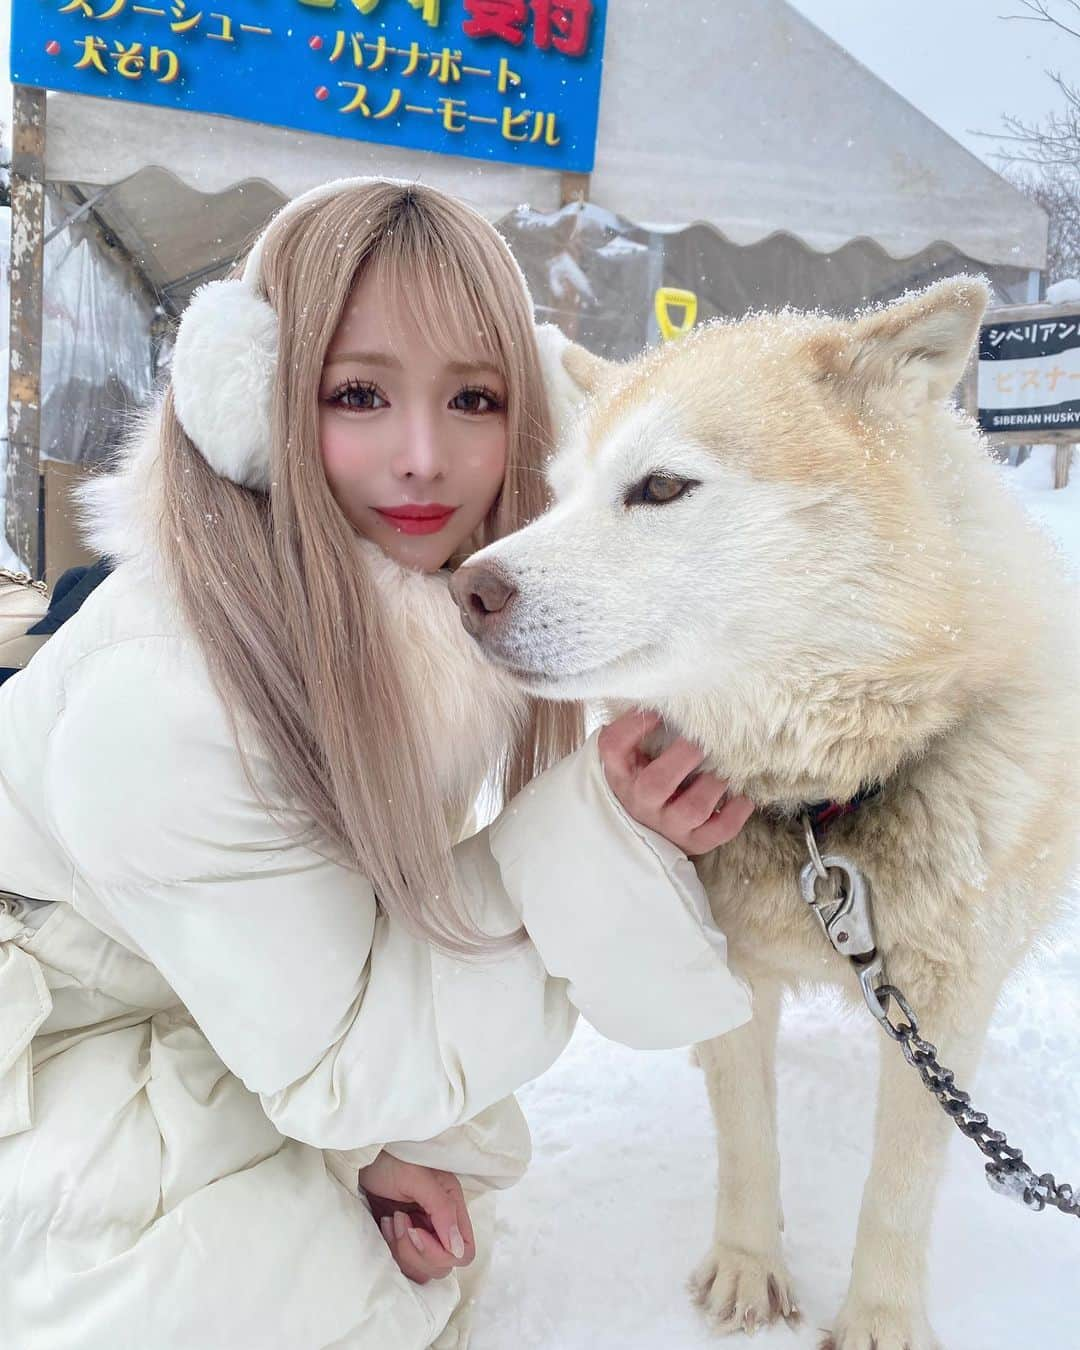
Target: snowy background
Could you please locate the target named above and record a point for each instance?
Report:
(596, 1242)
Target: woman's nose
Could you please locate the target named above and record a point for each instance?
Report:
(420, 454)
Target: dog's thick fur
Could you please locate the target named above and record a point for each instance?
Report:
(849, 596)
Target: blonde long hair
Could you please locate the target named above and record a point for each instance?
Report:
(275, 585)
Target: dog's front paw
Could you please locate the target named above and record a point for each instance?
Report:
(741, 1291)
(881, 1328)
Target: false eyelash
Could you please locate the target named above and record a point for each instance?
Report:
(497, 404)
(353, 385)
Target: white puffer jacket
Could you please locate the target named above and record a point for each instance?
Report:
(213, 1026)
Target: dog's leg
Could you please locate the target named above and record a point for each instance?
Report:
(743, 1284)
(885, 1306)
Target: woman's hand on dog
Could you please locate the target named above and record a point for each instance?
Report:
(697, 819)
(422, 1215)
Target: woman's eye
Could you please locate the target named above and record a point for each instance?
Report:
(658, 489)
(476, 400)
(357, 396)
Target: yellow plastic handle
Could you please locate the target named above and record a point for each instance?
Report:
(667, 296)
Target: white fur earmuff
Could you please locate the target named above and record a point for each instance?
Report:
(222, 376)
(225, 360)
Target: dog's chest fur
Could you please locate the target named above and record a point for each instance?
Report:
(949, 891)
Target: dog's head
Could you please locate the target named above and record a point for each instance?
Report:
(749, 504)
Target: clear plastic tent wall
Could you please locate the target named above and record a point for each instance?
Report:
(7, 558)
(96, 363)
(596, 274)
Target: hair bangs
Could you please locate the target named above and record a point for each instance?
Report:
(432, 275)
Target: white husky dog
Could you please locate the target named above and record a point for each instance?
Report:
(781, 535)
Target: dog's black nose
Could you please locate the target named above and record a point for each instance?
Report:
(484, 597)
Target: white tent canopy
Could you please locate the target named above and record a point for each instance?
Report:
(746, 118)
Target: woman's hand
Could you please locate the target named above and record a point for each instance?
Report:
(422, 1215)
(693, 818)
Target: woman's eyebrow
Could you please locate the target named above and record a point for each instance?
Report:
(365, 358)
(477, 367)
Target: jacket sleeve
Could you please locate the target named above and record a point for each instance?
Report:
(353, 1031)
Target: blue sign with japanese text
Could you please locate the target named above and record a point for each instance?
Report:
(514, 80)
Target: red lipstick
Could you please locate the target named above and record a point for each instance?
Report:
(428, 518)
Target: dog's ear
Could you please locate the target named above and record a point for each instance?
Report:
(571, 375)
(917, 346)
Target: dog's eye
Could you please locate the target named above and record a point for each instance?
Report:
(658, 489)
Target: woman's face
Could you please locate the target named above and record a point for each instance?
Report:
(413, 441)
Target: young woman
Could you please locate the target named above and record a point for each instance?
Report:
(259, 1020)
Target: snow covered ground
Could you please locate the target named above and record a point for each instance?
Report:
(596, 1242)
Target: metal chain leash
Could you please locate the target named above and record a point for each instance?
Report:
(23, 579)
(847, 920)
(1007, 1172)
